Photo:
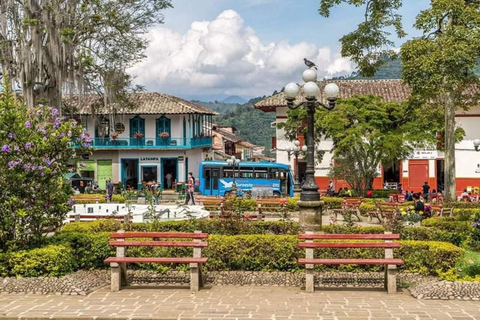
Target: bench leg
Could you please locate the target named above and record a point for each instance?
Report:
(391, 279)
(115, 277)
(123, 274)
(194, 276)
(309, 279)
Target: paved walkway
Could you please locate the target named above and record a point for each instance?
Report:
(224, 302)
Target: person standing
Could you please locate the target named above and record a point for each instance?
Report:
(110, 188)
(169, 180)
(426, 189)
(331, 188)
(190, 189)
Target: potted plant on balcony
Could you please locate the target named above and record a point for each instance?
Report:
(114, 135)
(138, 135)
(164, 135)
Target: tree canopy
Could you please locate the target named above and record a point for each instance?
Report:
(52, 47)
(367, 132)
(439, 66)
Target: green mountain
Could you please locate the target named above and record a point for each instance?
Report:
(252, 125)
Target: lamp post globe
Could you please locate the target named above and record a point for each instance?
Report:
(331, 91)
(476, 144)
(296, 143)
(311, 90)
(304, 148)
(291, 90)
(309, 75)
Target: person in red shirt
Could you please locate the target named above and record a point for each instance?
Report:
(190, 189)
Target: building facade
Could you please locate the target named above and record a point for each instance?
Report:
(420, 167)
(155, 135)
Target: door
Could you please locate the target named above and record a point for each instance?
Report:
(104, 172)
(137, 131)
(163, 130)
(418, 174)
(212, 176)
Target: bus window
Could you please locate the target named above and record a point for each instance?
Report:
(261, 173)
(227, 172)
(274, 173)
(246, 172)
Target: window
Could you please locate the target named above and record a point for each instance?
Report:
(227, 173)
(274, 173)
(246, 173)
(261, 173)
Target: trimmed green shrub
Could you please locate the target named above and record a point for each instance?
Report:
(332, 202)
(240, 205)
(266, 253)
(383, 193)
(52, 260)
(445, 223)
(213, 226)
(292, 204)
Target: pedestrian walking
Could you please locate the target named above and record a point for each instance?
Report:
(190, 189)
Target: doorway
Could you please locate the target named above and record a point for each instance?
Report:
(169, 166)
(130, 173)
(149, 174)
(212, 177)
(302, 169)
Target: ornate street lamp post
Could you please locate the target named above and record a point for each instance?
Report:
(295, 150)
(233, 162)
(310, 198)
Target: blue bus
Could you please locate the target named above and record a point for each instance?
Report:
(216, 178)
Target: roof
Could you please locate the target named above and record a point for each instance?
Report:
(143, 103)
(389, 90)
(228, 135)
(71, 175)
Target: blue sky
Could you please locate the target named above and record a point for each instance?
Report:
(210, 49)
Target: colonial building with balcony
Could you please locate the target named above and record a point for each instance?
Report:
(151, 136)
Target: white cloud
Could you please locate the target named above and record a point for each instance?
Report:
(225, 57)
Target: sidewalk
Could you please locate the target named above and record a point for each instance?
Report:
(229, 302)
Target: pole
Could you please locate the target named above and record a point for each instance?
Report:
(310, 188)
(297, 180)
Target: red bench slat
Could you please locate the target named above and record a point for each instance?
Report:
(349, 245)
(351, 261)
(350, 236)
(155, 260)
(160, 235)
(158, 243)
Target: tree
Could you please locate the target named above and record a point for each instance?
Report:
(366, 133)
(36, 148)
(439, 66)
(50, 47)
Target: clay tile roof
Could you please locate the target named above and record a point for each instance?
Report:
(228, 135)
(142, 102)
(390, 90)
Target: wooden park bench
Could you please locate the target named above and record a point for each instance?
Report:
(118, 263)
(439, 211)
(88, 217)
(383, 210)
(214, 205)
(350, 205)
(270, 205)
(89, 198)
(389, 262)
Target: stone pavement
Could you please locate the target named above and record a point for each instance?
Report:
(229, 302)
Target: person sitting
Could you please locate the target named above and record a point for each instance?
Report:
(434, 195)
(408, 196)
(464, 196)
(75, 190)
(370, 194)
(348, 192)
(419, 206)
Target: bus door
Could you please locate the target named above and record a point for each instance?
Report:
(212, 175)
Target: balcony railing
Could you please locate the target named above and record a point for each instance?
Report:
(151, 143)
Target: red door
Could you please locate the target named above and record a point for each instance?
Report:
(418, 174)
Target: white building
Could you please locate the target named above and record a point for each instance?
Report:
(422, 166)
(156, 135)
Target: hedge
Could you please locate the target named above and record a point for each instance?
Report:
(212, 226)
(265, 253)
(446, 223)
(51, 260)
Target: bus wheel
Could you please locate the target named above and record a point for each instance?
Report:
(276, 194)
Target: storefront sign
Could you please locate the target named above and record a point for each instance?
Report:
(149, 159)
(424, 154)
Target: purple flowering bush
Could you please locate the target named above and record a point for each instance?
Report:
(35, 153)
